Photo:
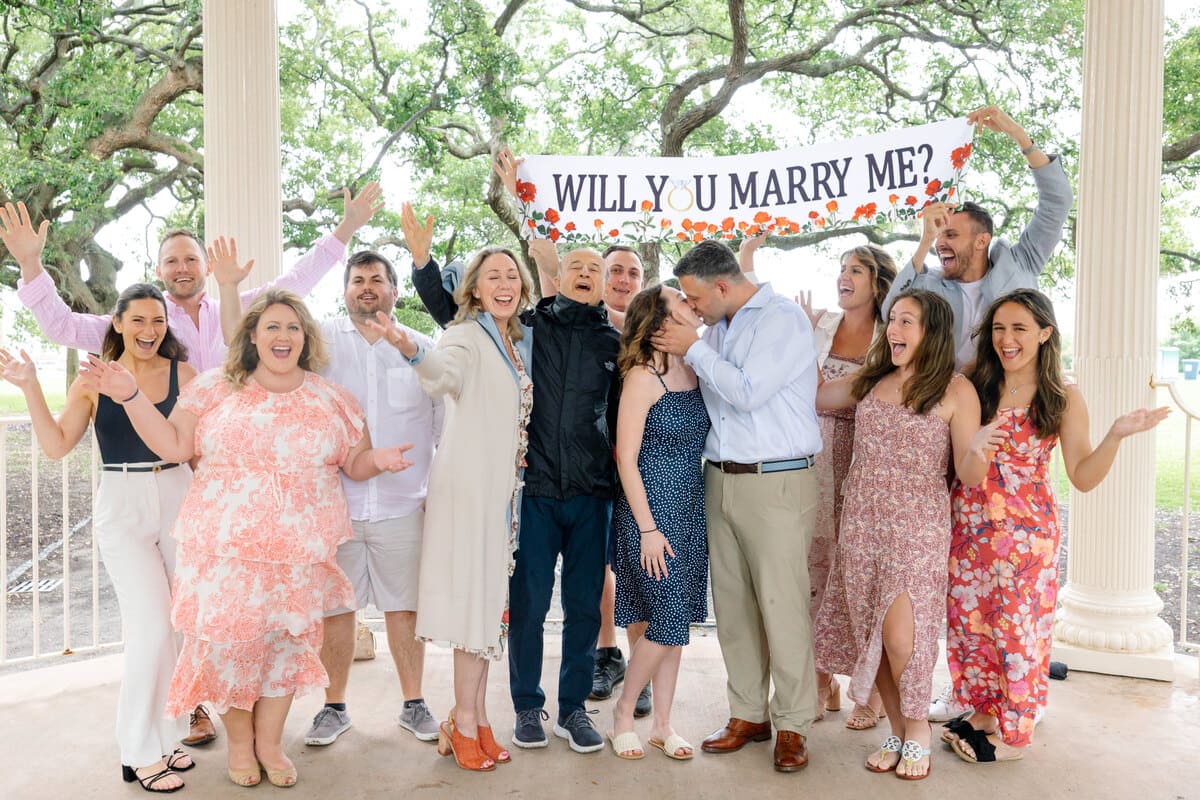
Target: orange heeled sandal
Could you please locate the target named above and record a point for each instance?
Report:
(491, 748)
(467, 753)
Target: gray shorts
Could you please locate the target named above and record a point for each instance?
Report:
(383, 561)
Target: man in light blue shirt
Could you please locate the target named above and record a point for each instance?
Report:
(758, 374)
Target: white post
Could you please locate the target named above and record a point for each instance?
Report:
(1109, 620)
(241, 132)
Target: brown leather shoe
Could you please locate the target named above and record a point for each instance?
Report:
(735, 735)
(791, 754)
(202, 730)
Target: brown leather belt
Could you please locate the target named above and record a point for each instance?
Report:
(764, 467)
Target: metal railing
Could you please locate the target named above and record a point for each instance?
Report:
(43, 580)
(1191, 415)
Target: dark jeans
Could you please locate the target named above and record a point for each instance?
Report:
(577, 528)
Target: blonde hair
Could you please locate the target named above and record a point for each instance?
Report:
(242, 358)
(470, 306)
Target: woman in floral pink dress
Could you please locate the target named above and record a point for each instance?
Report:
(882, 611)
(260, 524)
(1004, 551)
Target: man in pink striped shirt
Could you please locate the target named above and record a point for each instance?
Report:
(194, 317)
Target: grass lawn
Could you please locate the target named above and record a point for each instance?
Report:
(13, 403)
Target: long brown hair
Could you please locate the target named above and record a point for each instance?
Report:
(470, 306)
(1050, 396)
(242, 358)
(882, 267)
(933, 362)
(644, 317)
(114, 343)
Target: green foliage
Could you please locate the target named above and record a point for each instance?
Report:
(1185, 334)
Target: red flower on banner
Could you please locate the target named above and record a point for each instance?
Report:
(647, 205)
(867, 211)
(831, 206)
(551, 216)
(813, 215)
(727, 224)
(793, 227)
(526, 192)
(570, 226)
(554, 234)
(892, 198)
(531, 223)
(614, 233)
(959, 156)
(950, 192)
(762, 217)
(911, 200)
(933, 187)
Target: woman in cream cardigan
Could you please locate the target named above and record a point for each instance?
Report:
(481, 366)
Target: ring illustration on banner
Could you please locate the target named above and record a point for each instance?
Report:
(681, 197)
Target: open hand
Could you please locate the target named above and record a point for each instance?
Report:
(385, 325)
(108, 378)
(21, 372)
(804, 300)
(655, 549)
(19, 236)
(934, 217)
(391, 459)
(417, 237)
(505, 166)
(988, 440)
(358, 210)
(223, 262)
(1137, 421)
(674, 339)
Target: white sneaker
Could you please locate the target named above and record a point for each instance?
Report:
(946, 706)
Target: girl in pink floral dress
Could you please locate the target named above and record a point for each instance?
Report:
(1004, 551)
(260, 525)
(880, 619)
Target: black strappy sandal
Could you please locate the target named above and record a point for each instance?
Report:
(173, 760)
(130, 775)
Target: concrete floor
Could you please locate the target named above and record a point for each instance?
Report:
(1103, 737)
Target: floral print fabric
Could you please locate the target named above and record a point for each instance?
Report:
(1004, 582)
(257, 536)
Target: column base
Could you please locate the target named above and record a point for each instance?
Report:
(1156, 666)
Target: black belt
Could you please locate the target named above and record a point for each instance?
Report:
(123, 468)
(762, 467)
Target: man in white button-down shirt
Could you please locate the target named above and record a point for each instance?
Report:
(387, 512)
(758, 375)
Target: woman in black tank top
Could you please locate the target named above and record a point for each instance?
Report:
(134, 508)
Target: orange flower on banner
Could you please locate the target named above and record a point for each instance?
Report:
(614, 233)
(551, 216)
(762, 217)
(686, 224)
(794, 227)
(813, 215)
(781, 222)
(743, 225)
(950, 192)
(892, 198)
(666, 223)
(570, 226)
(727, 224)
(820, 222)
(599, 223)
(526, 192)
(532, 224)
(681, 236)
(554, 234)
(960, 155)
(712, 228)
(647, 205)
(753, 230)
(911, 200)
(933, 187)
(866, 211)
(727, 235)
(831, 206)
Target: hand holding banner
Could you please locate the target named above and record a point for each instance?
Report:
(865, 181)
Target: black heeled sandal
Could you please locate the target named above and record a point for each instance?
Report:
(129, 774)
(173, 760)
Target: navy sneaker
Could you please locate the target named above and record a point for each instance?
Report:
(645, 704)
(607, 673)
(528, 732)
(577, 728)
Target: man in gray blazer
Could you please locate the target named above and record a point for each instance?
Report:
(975, 269)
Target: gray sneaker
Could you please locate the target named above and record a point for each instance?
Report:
(528, 732)
(579, 731)
(417, 718)
(327, 726)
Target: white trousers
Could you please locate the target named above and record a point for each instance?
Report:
(134, 515)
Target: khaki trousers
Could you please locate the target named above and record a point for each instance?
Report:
(759, 531)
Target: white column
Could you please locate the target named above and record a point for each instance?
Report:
(1109, 620)
(241, 132)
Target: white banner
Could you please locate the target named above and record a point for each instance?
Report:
(865, 181)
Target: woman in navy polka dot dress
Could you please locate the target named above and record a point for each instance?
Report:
(661, 551)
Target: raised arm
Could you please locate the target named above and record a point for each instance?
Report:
(173, 438)
(440, 370)
(57, 437)
(545, 255)
(973, 447)
(435, 289)
(36, 290)
(223, 264)
(640, 391)
(1086, 466)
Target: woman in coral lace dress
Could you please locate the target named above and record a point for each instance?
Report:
(260, 524)
(882, 613)
(1004, 550)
